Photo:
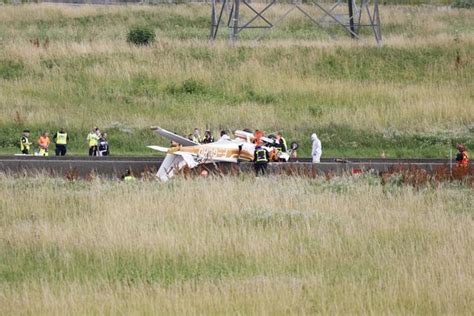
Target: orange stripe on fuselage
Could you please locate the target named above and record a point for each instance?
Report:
(215, 152)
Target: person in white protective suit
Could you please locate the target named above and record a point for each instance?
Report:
(317, 150)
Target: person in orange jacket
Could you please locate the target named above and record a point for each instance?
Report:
(43, 143)
(463, 156)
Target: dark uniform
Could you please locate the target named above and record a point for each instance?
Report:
(260, 160)
(103, 147)
(61, 138)
(282, 145)
(208, 138)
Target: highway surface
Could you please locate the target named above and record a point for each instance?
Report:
(114, 167)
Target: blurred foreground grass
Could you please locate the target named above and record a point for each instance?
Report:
(266, 245)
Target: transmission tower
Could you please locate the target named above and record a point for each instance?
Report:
(227, 14)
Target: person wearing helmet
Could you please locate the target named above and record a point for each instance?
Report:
(462, 157)
(25, 142)
(260, 160)
(317, 149)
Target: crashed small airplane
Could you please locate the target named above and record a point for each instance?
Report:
(189, 154)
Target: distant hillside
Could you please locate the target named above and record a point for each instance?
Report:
(71, 66)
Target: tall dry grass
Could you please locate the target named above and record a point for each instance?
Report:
(234, 245)
(423, 105)
(413, 93)
(88, 68)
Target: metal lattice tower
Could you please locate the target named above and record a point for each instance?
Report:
(227, 13)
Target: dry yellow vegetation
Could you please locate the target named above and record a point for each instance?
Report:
(298, 79)
(235, 245)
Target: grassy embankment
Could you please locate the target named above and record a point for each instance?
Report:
(412, 97)
(349, 245)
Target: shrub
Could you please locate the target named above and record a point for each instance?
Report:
(193, 86)
(188, 86)
(141, 35)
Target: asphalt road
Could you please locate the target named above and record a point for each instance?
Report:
(114, 167)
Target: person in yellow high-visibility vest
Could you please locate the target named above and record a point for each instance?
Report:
(196, 137)
(93, 140)
(128, 176)
(25, 143)
(61, 139)
(261, 158)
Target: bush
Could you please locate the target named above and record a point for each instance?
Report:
(192, 86)
(141, 35)
(188, 86)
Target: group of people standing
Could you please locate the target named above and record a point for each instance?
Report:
(207, 138)
(98, 144)
(262, 156)
(60, 139)
(97, 141)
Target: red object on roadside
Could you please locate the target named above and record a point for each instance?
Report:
(357, 171)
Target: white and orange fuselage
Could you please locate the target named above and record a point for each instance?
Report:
(185, 152)
(190, 154)
(228, 151)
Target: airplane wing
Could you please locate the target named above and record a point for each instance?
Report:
(172, 136)
(159, 148)
(169, 166)
(188, 159)
(173, 163)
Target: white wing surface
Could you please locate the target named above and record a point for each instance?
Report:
(159, 148)
(169, 166)
(172, 136)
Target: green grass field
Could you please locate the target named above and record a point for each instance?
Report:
(410, 98)
(237, 244)
(267, 246)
